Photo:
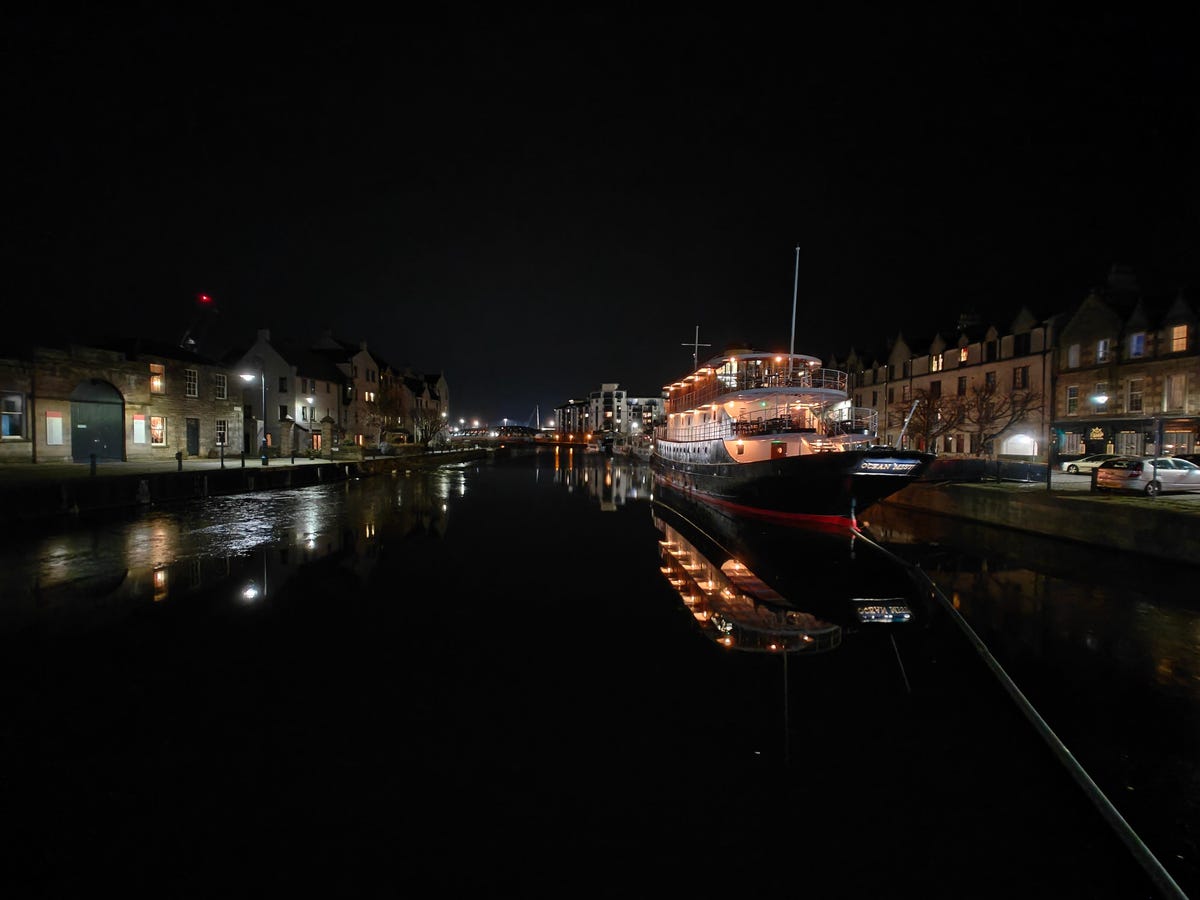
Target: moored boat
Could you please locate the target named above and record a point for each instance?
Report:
(776, 435)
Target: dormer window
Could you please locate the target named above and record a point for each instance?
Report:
(962, 355)
(1137, 345)
(936, 362)
(1179, 338)
(1103, 350)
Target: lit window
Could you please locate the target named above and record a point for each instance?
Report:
(12, 415)
(936, 361)
(1103, 350)
(962, 355)
(1137, 345)
(157, 378)
(222, 432)
(158, 431)
(1179, 339)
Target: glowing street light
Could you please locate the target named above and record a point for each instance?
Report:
(262, 376)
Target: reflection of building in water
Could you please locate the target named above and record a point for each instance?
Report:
(734, 607)
(610, 481)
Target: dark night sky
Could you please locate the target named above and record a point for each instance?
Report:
(536, 201)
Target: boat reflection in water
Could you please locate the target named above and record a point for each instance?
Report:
(735, 607)
(743, 578)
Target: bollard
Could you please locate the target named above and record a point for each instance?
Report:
(179, 460)
(93, 463)
(243, 459)
(263, 452)
(222, 454)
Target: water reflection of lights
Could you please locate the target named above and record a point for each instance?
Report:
(734, 607)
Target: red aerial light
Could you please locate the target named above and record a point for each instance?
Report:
(204, 298)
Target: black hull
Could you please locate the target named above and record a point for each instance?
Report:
(820, 486)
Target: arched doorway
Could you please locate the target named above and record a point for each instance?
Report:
(97, 420)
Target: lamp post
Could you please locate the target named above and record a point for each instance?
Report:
(262, 376)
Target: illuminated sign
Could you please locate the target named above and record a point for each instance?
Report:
(887, 466)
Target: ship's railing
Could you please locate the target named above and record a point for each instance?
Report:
(835, 423)
(706, 388)
(852, 420)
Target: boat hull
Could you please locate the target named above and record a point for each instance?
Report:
(817, 487)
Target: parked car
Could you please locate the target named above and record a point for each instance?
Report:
(1086, 463)
(1190, 457)
(1147, 474)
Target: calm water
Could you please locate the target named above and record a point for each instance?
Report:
(327, 656)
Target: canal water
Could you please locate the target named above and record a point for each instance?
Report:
(416, 674)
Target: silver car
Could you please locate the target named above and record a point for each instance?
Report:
(1148, 474)
(1086, 463)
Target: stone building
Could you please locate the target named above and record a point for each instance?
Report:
(131, 399)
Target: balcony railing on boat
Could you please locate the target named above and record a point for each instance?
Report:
(701, 390)
(832, 423)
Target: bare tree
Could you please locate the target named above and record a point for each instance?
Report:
(428, 423)
(386, 412)
(988, 413)
(934, 416)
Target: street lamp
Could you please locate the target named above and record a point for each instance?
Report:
(262, 376)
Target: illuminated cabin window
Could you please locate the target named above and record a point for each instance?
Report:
(157, 378)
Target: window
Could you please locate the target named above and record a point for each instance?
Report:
(222, 432)
(191, 382)
(990, 379)
(1073, 400)
(891, 395)
(220, 387)
(1137, 345)
(1072, 444)
(936, 361)
(1100, 397)
(283, 384)
(1021, 378)
(1021, 343)
(304, 414)
(282, 412)
(935, 389)
(12, 415)
(1103, 350)
(962, 355)
(1134, 404)
(1128, 443)
(1179, 338)
(962, 386)
(158, 431)
(1073, 356)
(157, 379)
(1175, 392)
(990, 351)
(906, 393)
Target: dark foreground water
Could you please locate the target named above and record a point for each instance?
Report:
(526, 677)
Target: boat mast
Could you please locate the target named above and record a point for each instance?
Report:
(696, 345)
(795, 285)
